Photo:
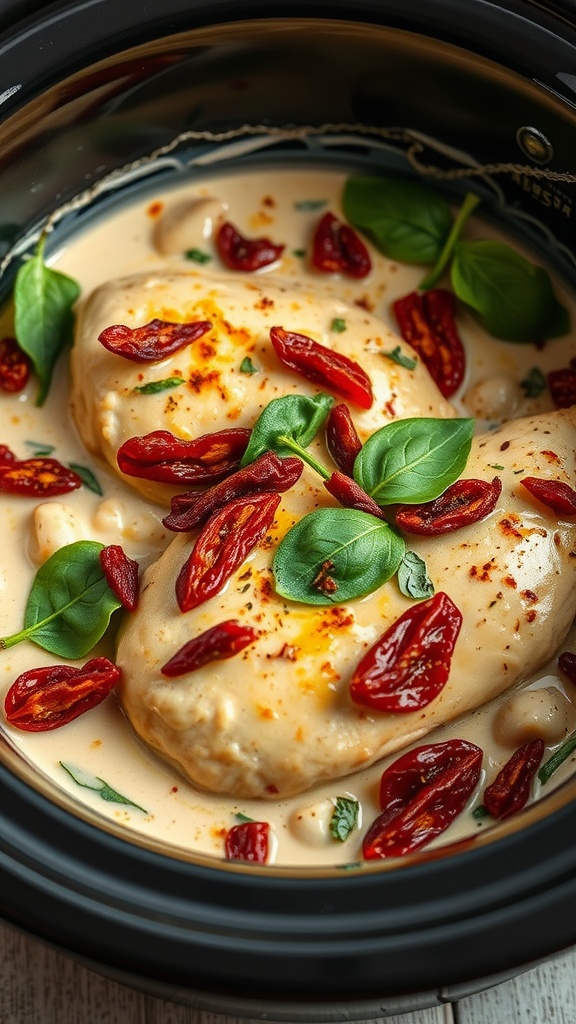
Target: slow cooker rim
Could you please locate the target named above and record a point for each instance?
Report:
(503, 33)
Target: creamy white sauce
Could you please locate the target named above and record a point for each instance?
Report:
(101, 742)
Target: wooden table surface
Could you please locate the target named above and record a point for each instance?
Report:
(41, 986)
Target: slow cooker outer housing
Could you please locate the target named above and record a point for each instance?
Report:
(437, 921)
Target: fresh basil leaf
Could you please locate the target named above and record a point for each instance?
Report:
(514, 298)
(406, 220)
(291, 416)
(413, 578)
(413, 460)
(396, 356)
(334, 555)
(433, 276)
(87, 477)
(344, 817)
(88, 781)
(43, 317)
(154, 386)
(534, 383)
(70, 603)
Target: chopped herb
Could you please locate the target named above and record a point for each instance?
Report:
(39, 449)
(87, 477)
(93, 782)
(338, 325)
(401, 360)
(558, 758)
(299, 252)
(480, 812)
(154, 386)
(352, 866)
(197, 256)
(310, 204)
(344, 818)
(534, 383)
(247, 366)
(495, 465)
(242, 818)
(413, 578)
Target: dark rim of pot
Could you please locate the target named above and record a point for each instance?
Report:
(356, 934)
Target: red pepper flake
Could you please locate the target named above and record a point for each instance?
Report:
(122, 575)
(215, 644)
(15, 366)
(155, 209)
(153, 341)
(426, 320)
(567, 664)
(322, 366)
(49, 697)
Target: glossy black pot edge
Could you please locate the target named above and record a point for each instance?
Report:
(68, 35)
(186, 925)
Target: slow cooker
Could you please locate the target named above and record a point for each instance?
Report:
(93, 96)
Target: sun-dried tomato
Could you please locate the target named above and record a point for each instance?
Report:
(7, 457)
(336, 248)
(46, 698)
(420, 795)
(214, 644)
(409, 665)
(15, 366)
(562, 386)
(223, 544)
(342, 438)
(248, 841)
(555, 494)
(463, 503)
(269, 472)
(427, 322)
(249, 254)
(37, 478)
(163, 457)
(567, 664)
(322, 366)
(511, 788)
(153, 341)
(351, 495)
(121, 574)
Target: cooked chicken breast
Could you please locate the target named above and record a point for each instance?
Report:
(217, 393)
(278, 718)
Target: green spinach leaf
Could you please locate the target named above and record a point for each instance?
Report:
(406, 220)
(70, 603)
(334, 555)
(288, 424)
(43, 317)
(514, 298)
(413, 460)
